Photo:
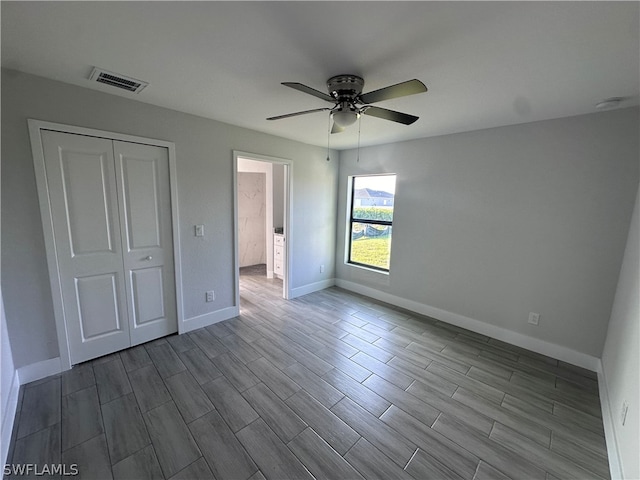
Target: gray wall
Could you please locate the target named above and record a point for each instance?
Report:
(621, 355)
(205, 195)
(497, 223)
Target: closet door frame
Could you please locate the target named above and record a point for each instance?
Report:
(35, 129)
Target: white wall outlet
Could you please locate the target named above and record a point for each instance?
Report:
(534, 318)
(623, 412)
(210, 296)
(321, 268)
(199, 230)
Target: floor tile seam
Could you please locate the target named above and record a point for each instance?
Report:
(600, 458)
(564, 430)
(24, 437)
(508, 412)
(142, 412)
(139, 366)
(222, 416)
(62, 450)
(409, 461)
(131, 454)
(144, 420)
(197, 459)
(283, 399)
(404, 370)
(549, 448)
(479, 457)
(559, 396)
(18, 418)
(561, 369)
(564, 419)
(106, 439)
(368, 331)
(461, 404)
(437, 355)
(102, 432)
(151, 438)
(383, 364)
(414, 418)
(187, 371)
(546, 469)
(179, 411)
(317, 399)
(58, 401)
(602, 453)
(394, 430)
(201, 449)
(478, 364)
(42, 381)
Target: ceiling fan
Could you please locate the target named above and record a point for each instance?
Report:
(345, 92)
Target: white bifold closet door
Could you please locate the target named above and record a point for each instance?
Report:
(111, 215)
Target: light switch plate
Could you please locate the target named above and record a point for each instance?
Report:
(199, 229)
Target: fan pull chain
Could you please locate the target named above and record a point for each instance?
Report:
(359, 125)
(328, 136)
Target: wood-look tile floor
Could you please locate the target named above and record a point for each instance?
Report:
(331, 385)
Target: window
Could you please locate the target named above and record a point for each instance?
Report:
(371, 220)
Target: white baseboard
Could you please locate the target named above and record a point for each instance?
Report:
(9, 416)
(514, 338)
(613, 452)
(312, 287)
(36, 371)
(207, 319)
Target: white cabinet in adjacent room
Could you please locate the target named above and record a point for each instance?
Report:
(278, 254)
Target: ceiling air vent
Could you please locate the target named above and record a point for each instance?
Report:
(116, 80)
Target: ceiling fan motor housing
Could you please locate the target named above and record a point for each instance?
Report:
(345, 87)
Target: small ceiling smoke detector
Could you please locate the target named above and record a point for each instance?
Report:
(116, 80)
(609, 103)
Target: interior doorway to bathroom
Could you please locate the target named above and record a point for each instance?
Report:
(262, 206)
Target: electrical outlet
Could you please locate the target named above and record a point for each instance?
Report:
(321, 268)
(534, 318)
(623, 412)
(210, 296)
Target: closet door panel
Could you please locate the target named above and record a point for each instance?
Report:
(81, 183)
(98, 309)
(147, 290)
(145, 220)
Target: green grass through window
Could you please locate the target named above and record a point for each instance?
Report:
(371, 251)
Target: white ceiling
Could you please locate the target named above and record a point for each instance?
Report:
(486, 64)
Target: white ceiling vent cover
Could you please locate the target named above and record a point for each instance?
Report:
(116, 80)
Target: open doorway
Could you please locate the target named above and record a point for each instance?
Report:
(262, 206)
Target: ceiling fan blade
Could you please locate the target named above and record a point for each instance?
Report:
(392, 115)
(299, 113)
(410, 87)
(336, 128)
(311, 91)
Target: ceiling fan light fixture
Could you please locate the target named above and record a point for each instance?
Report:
(345, 118)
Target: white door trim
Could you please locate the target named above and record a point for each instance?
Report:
(287, 218)
(35, 129)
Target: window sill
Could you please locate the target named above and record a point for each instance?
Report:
(367, 269)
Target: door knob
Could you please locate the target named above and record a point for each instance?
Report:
(149, 258)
